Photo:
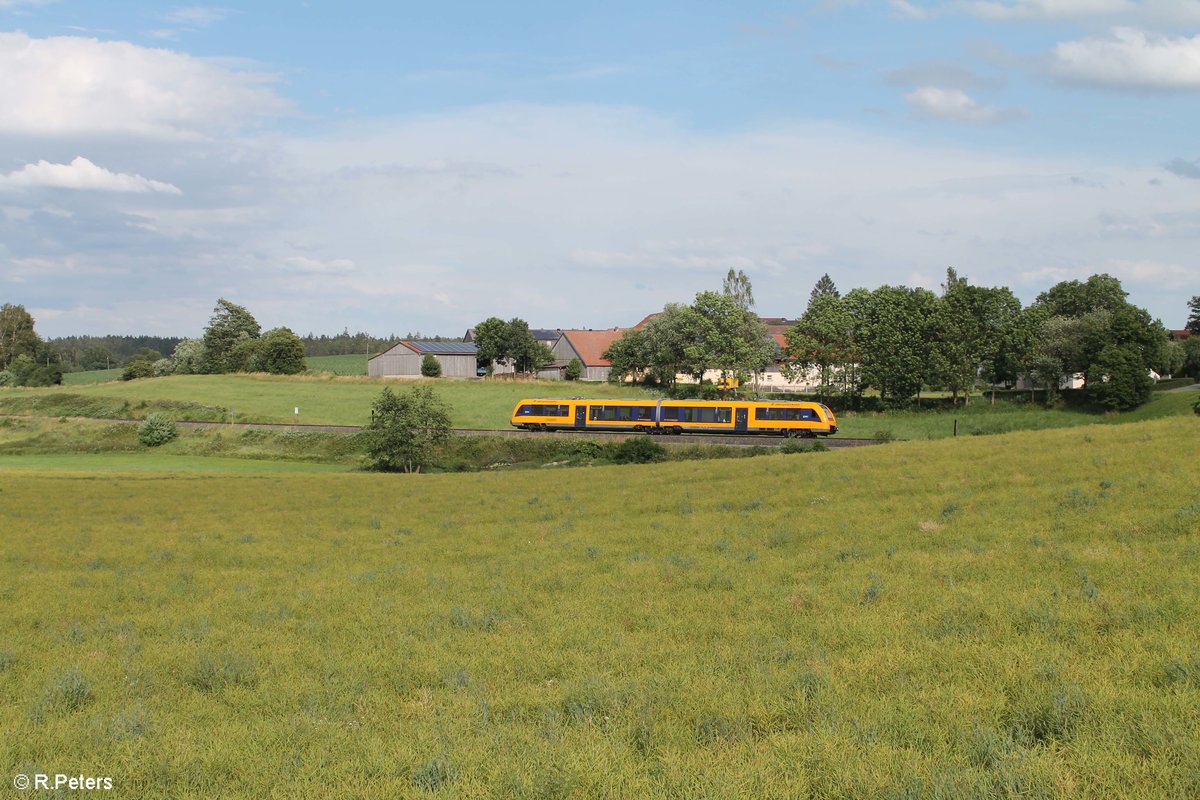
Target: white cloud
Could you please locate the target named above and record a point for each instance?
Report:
(1155, 13)
(1047, 9)
(1131, 59)
(197, 15)
(81, 174)
(957, 106)
(76, 85)
(903, 8)
(577, 216)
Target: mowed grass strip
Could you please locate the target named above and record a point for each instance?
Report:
(986, 617)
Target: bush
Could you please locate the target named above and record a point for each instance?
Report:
(1196, 407)
(639, 450)
(280, 352)
(430, 366)
(7, 378)
(158, 429)
(574, 369)
(137, 368)
(800, 446)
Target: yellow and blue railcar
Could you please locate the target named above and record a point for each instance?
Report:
(781, 418)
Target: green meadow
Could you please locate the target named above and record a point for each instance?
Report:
(980, 617)
(332, 399)
(322, 399)
(338, 365)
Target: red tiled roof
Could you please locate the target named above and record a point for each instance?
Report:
(1179, 336)
(590, 344)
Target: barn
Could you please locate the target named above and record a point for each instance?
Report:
(403, 359)
(587, 346)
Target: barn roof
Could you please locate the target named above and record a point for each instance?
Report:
(440, 348)
(590, 344)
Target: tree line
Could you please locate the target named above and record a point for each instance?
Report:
(900, 341)
(718, 332)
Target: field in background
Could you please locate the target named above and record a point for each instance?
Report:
(984, 617)
(264, 398)
(338, 365)
(980, 417)
(91, 376)
(488, 404)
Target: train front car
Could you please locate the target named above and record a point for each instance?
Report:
(792, 419)
(830, 418)
(542, 415)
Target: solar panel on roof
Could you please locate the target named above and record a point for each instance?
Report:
(442, 348)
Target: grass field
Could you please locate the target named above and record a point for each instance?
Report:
(338, 365)
(264, 398)
(981, 617)
(91, 376)
(488, 404)
(980, 417)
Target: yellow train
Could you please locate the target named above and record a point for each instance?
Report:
(781, 418)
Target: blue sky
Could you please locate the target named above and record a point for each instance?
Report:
(396, 167)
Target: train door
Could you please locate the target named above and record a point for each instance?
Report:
(739, 418)
(581, 416)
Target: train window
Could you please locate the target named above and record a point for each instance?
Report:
(786, 414)
(525, 410)
(644, 412)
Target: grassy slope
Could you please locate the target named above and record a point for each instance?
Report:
(158, 464)
(980, 417)
(485, 404)
(260, 398)
(979, 617)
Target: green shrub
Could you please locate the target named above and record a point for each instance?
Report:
(8, 379)
(137, 368)
(430, 366)
(158, 429)
(574, 369)
(639, 450)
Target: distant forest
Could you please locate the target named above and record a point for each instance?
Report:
(76, 353)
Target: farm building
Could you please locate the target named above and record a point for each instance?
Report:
(587, 346)
(403, 359)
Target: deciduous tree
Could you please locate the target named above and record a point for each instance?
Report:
(280, 352)
(231, 325)
(17, 336)
(406, 429)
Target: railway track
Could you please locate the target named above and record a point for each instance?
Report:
(759, 440)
